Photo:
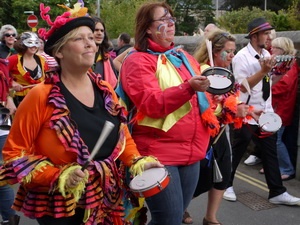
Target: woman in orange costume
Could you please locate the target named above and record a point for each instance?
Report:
(56, 127)
(26, 68)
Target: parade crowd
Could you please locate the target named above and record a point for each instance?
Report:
(82, 120)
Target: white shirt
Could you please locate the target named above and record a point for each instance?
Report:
(245, 65)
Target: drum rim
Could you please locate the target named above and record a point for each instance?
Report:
(270, 113)
(149, 187)
(223, 90)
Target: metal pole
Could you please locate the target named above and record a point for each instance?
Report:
(265, 5)
(98, 8)
(217, 8)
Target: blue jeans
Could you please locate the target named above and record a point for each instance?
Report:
(7, 194)
(285, 165)
(167, 207)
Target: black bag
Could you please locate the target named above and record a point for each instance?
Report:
(205, 181)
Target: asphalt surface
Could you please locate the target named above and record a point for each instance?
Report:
(256, 211)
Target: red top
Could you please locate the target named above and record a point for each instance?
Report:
(284, 94)
(186, 141)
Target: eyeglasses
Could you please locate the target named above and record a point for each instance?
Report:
(166, 19)
(9, 35)
(226, 35)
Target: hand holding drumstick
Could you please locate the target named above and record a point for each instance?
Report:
(78, 175)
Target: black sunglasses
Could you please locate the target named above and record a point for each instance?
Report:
(9, 35)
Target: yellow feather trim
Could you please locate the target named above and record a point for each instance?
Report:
(218, 110)
(134, 210)
(138, 166)
(17, 157)
(76, 191)
(87, 214)
(38, 168)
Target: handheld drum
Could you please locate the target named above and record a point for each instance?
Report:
(221, 80)
(150, 182)
(269, 122)
(283, 64)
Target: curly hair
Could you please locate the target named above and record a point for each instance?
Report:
(4, 29)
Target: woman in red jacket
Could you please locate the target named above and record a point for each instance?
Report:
(164, 86)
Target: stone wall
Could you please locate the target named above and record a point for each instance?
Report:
(190, 43)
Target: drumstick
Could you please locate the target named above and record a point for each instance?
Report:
(108, 126)
(29, 86)
(247, 87)
(209, 50)
(219, 135)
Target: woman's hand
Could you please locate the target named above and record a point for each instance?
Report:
(11, 105)
(242, 110)
(256, 114)
(149, 165)
(199, 83)
(16, 86)
(75, 177)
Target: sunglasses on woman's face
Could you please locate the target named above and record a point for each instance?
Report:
(9, 35)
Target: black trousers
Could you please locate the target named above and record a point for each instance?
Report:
(222, 155)
(72, 220)
(241, 139)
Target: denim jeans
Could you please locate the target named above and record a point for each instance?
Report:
(167, 207)
(7, 194)
(285, 165)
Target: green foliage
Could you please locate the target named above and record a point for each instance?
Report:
(236, 21)
(119, 16)
(12, 11)
(293, 13)
(190, 14)
(273, 5)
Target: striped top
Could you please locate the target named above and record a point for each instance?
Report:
(44, 141)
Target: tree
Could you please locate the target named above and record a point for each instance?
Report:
(273, 5)
(119, 16)
(236, 21)
(294, 15)
(12, 11)
(191, 13)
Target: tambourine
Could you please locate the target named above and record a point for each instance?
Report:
(150, 182)
(221, 80)
(269, 122)
(282, 65)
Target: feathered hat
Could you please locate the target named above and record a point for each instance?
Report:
(63, 24)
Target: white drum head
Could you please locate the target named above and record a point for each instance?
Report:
(270, 122)
(148, 179)
(219, 81)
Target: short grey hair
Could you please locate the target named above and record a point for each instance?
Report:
(5, 28)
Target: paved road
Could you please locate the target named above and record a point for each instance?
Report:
(248, 184)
